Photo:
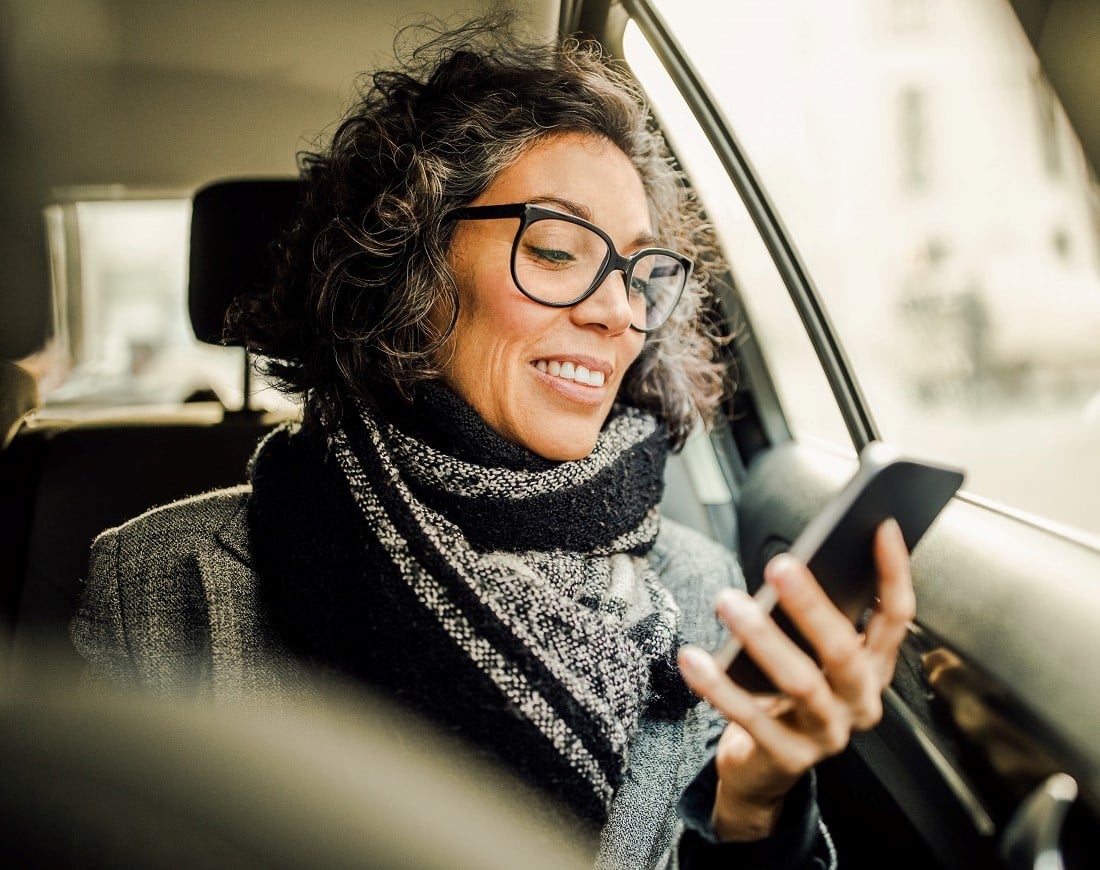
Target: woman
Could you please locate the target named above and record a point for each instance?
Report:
(491, 308)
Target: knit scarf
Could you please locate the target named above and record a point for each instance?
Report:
(506, 597)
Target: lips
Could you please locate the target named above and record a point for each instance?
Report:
(569, 370)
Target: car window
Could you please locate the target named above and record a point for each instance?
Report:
(944, 207)
(807, 402)
(121, 333)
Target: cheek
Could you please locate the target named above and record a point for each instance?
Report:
(493, 313)
(634, 344)
(488, 324)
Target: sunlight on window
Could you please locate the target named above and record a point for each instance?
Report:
(120, 303)
(939, 197)
(804, 393)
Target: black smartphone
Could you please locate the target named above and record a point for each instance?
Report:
(837, 545)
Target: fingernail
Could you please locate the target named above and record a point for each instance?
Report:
(738, 607)
(783, 571)
(893, 530)
(693, 660)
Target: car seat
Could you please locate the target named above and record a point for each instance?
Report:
(18, 398)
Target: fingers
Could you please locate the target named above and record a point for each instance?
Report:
(850, 679)
(791, 751)
(897, 605)
(837, 645)
(766, 746)
(844, 654)
(826, 700)
(714, 686)
(856, 668)
(792, 671)
(809, 703)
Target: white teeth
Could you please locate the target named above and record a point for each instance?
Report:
(571, 372)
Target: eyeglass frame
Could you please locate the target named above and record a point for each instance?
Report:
(530, 213)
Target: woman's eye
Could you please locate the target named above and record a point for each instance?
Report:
(639, 287)
(552, 255)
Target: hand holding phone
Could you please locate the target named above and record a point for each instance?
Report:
(837, 545)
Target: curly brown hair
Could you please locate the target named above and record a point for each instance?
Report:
(363, 274)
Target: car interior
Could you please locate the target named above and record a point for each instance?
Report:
(987, 753)
(76, 479)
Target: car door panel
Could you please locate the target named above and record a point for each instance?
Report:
(1006, 619)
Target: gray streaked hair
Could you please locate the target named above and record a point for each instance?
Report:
(363, 276)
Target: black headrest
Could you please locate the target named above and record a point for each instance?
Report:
(233, 224)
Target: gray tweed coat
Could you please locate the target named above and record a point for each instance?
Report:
(170, 608)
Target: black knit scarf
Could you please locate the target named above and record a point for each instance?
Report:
(506, 597)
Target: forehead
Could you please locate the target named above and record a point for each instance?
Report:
(583, 169)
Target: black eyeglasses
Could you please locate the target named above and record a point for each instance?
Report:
(559, 260)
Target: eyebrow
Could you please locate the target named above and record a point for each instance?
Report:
(642, 240)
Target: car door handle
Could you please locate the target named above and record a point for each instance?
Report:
(1031, 838)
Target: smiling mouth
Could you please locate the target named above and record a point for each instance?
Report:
(568, 371)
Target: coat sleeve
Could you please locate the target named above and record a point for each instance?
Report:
(143, 620)
(97, 629)
(800, 842)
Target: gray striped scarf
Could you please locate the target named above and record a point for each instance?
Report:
(535, 572)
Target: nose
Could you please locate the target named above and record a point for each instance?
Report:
(608, 307)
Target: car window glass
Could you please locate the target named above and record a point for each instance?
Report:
(807, 401)
(942, 203)
(121, 334)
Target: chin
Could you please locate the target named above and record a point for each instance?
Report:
(565, 449)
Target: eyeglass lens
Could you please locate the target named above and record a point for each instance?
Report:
(558, 261)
